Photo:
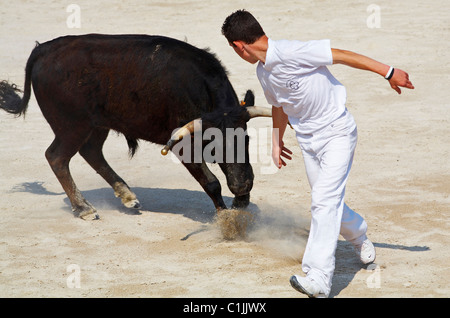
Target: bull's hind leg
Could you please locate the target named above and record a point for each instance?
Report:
(91, 151)
(58, 155)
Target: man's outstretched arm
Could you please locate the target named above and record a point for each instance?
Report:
(398, 79)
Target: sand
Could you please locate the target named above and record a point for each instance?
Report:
(173, 246)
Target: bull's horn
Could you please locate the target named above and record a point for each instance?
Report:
(186, 130)
(258, 111)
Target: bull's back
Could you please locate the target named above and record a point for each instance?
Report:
(142, 86)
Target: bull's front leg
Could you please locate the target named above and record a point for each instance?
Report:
(208, 181)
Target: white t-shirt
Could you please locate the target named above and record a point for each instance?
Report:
(296, 78)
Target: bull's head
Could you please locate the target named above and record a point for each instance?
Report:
(236, 164)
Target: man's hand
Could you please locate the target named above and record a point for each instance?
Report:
(279, 151)
(400, 79)
(280, 121)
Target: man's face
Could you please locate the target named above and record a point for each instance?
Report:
(241, 49)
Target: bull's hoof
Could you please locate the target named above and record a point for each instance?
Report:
(131, 204)
(127, 197)
(241, 202)
(89, 213)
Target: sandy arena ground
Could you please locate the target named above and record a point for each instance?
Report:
(173, 247)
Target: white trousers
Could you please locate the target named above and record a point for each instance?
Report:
(328, 157)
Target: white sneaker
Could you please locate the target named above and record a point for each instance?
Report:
(365, 251)
(307, 286)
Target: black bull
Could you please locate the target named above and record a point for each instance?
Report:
(141, 86)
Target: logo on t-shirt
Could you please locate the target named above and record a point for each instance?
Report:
(293, 85)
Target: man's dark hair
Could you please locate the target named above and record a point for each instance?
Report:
(242, 26)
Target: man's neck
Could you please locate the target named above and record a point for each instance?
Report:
(259, 48)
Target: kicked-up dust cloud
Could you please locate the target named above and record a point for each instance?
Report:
(283, 230)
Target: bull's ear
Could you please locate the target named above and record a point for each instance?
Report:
(249, 99)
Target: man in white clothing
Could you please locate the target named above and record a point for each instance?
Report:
(303, 92)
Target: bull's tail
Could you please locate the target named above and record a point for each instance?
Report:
(10, 100)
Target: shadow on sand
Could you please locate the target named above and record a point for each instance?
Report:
(197, 206)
